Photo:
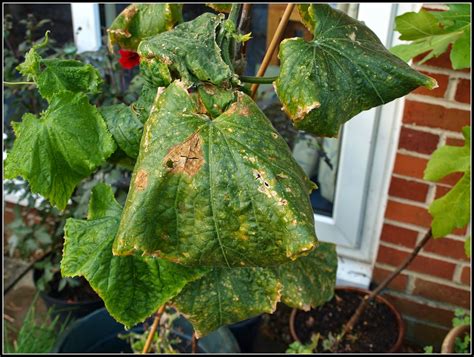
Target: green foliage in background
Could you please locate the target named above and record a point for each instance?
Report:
(432, 32)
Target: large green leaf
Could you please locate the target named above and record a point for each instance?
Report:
(56, 151)
(226, 296)
(139, 21)
(309, 281)
(54, 75)
(453, 209)
(221, 192)
(344, 70)
(132, 287)
(125, 127)
(415, 25)
(190, 49)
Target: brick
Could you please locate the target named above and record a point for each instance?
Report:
(435, 116)
(443, 293)
(399, 283)
(407, 213)
(411, 190)
(411, 166)
(420, 264)
(454, 142)
(442, 80)
(441, 191)
(446, 247)
(424, 335)
(409, 307)
(418, 141)
(442, 61)
(399, 235)
(466, 276)
(463, 91)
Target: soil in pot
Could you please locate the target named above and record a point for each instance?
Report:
(376, 331)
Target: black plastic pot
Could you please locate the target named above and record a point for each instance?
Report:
(245, 333)
(67, 311)
(98, 333)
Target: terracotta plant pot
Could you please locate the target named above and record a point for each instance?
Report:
(401, 326)
(450, 339)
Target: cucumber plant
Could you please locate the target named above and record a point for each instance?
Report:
(218, 221)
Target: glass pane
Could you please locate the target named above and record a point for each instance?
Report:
(319, 157)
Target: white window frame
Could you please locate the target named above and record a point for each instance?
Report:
(367, 155)
(86, 26)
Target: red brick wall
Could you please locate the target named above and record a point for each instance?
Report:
(438, 280)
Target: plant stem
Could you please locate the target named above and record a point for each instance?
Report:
(194, 343)
(234, 13)
(17, 83)
(273, 45)
(365, 302)
(153, 328)
(260, 80)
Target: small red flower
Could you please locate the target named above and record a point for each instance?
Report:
(128, 59)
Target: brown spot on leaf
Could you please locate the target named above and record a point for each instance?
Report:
(129, 12)
(141, 180)
(185, 157)
(238, 107)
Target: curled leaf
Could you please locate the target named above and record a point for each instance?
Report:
(344, 70)
(222, 191)
(139, 21)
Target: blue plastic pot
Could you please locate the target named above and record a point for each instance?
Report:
(98, 333)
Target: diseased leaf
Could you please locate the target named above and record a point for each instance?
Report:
(214, 99)
(190, 49)
(461, 52)
(139, 21)
(448, 159)
(142, 106)
(307, 16)
(345, 70)
(226, 296)
(125, 128)
(309, 281)
(56, 151)
(155, 73)
(222, 192)
(453, 209)
(132, 287)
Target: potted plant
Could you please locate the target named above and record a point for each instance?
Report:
(37, 230)
(458, 340)
(99, 333)
(339, 327)
(217, 222)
